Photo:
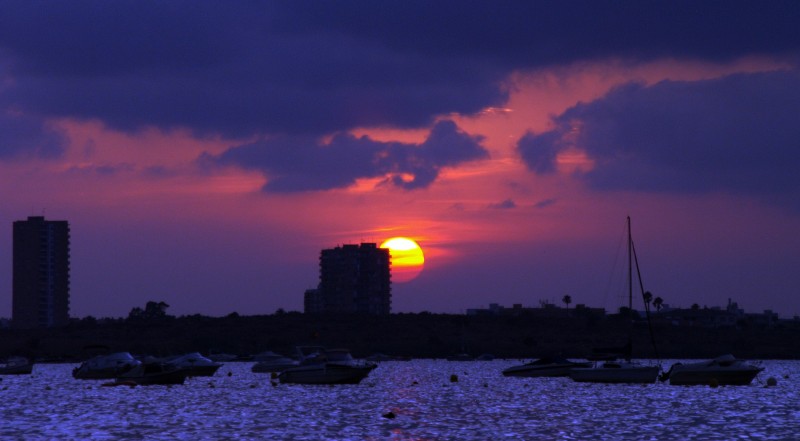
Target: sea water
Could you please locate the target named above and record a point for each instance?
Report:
(402, 400)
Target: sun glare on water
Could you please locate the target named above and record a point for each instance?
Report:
(407, 258)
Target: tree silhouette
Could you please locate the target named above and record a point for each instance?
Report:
(567, 300)
(658, 303)
(648, 297)
(152, 310)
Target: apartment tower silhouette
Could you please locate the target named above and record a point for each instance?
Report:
(40, 273)
(353, 279)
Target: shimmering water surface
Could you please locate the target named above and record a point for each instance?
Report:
(481, 405)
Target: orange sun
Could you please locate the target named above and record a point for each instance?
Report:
(407, 258)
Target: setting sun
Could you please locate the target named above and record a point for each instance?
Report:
(407, 258)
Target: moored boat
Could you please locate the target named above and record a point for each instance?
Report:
(334, 366)
(616, 372)
(545, 367)
(195, 364)
(627, 371)
(268, 362)
(725, 370)
(104, 367)
(153, 373)
(16, 366)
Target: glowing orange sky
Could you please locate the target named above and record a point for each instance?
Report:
(151, 179)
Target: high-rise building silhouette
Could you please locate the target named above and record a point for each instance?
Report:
(40, 273)
(353, 279)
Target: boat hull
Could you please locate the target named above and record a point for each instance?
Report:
(202, 371)
(16, 369)
(554, 370)
(721, 377)
(99, 374)
(147, 378)
(326, 374)
(268, 367)
(630, 375)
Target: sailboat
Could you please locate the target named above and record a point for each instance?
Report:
(625, 371)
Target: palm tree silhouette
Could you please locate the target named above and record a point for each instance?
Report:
(658, 302)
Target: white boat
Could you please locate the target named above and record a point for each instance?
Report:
(195, 364)
(334, 366)
(268, 362)
(627, 371)
(545, 367)
(105, 366)
(725, 370)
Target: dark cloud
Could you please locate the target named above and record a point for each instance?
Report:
(545, 203)
(23, 136)
(739, 133)
(309, 68)
(102, 169)
(504, 205)
(539, 151)
(301, 163)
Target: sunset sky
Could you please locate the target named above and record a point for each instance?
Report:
(205, 152)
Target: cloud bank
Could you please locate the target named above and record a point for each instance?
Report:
(300, 163)
(739, 134)
(242, 68)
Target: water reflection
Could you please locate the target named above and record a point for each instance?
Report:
(426, 405)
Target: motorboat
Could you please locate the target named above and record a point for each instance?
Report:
(335, 366)
(616, 372)
(725, 370)
(268, 362)
(152, 373)
(545, 367)
(195, 364)
(16, 366)
(104, 367)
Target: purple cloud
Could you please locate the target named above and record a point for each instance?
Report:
(301, 163)
(22, 135)
(736, 134)
(312, 68)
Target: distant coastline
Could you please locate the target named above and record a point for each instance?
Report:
(417, 335)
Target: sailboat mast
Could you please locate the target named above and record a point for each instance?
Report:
(630, 267)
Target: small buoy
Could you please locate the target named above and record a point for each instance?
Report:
(230, 373)
(389, 415)
(252, 386)
(713, 382)
(274, 383)
(454, 378)
(485, 384)
(273, 375)
(771, 381)
(48, 388)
